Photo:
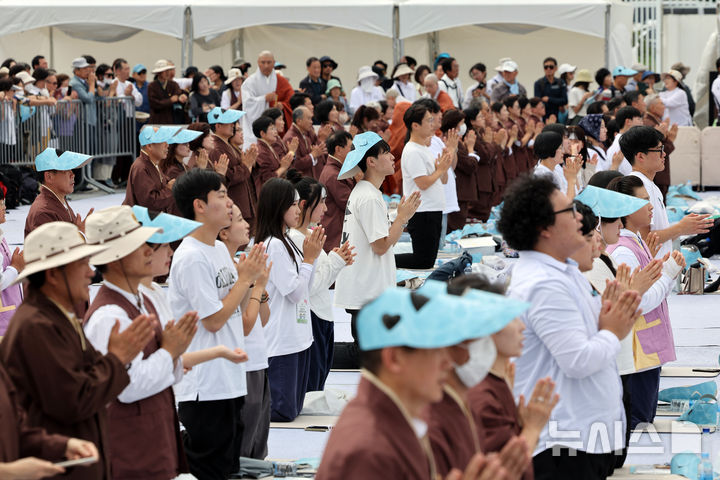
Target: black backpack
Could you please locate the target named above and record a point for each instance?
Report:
(11, 177)
(452, 268)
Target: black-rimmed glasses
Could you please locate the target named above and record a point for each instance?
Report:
(572, 208)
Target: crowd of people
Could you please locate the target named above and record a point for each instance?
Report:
(263, 207)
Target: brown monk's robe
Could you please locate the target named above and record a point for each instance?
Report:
(46, 208)
(374, 439)
(144, 441)
(161, 107)
(17, 438)
(303, 162)
(466, 184)
(174, 171)
(393, 183)
(237, 179)
(454, 438)
(662, 179)
(63, 383)
(493, 407)
(484, 175)
(148, 187)
(338, 192)
(268, 161)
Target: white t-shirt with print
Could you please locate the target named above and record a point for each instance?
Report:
(366, 220)
(201, 276)
(418, 161)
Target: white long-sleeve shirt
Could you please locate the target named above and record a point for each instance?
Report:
(562, 341)
(148, 376)
(606, 163)
(359, 97)
(677, 107)
(327, 268)
(289, 329)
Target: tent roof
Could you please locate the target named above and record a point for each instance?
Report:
(217, 16)
(161, 16)
(423, 16)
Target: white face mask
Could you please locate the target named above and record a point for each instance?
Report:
(463, 129)
(186, 160)
(64, 91)
(343, 117)
(367, 84)
(482, 356)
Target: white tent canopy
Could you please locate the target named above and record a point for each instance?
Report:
(160, 16)
(211, 17)
(609, 19)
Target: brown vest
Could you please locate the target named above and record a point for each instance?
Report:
(144, 437)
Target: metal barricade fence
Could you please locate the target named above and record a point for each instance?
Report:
(68, 125)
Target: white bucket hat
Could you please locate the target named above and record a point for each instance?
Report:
(162, 65)
(403, 70)
(501, 62)
(25, 77)
(233, 75)
(118, 230)
(53, 245)
(366, 72)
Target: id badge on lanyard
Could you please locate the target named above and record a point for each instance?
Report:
(303, 311)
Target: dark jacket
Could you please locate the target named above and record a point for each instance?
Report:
(556, 93)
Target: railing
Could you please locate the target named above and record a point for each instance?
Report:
(106, 131)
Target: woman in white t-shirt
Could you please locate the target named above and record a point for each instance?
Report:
(579, 95)
(288, 333)
(327, 267)
(256, 313)
(548, 149)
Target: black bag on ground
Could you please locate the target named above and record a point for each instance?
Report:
(452, 268)
(707, 243)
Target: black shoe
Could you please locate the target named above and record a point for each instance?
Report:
(83, 187)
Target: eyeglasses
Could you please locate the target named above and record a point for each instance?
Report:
(572, 208)
(548, 67)
(659, 149)
(327, 65)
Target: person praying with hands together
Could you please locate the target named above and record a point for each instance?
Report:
(289, 332)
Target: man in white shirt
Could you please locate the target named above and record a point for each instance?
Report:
(366, 90)
(450, 83)
(123, 86)
(143, 417)
(626, 118)
(567, 336)
(204, 278)
(644, 146)
(423, 172)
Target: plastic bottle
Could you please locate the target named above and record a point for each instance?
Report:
(468, 268)
(706, 442)
(706, 469)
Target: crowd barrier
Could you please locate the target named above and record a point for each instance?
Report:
(104, 130)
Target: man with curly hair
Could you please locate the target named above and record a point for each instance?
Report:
(570, 335)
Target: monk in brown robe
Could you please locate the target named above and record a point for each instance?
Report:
(338, 191)
(58, 181)
(465, 180)
(24, 448)
(312, 152)
(63, 383)
(381, 432)
(163, 94)
(272, 160)
(147, 186)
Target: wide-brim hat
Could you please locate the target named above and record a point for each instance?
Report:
(184, 136)
(403, 70)
(674, 74)
(327, 59)
(366, 72)
(53, 245)
(162, 65)
(501, 62)
(49, 159)
(361, 144)
(650, 73)
(434, 319)
(118, 230)
(149, 134)
(173, 228)
(80, 62)
(509, 66)
(233, 75)
(25, 77)
(608, 203)
(583, 75)
(219, 115)
(639, 67)
(333, 83)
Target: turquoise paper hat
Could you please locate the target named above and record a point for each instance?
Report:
(218, 115)
(150, 135)
(491, 310)
(362, 143)
(50, 160)
(184, 136)
(622, 71)
(609, 204)
(174, 228)
(436, 319)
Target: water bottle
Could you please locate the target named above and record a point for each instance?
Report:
(706, 469)
(706, 442)
(468, 268)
